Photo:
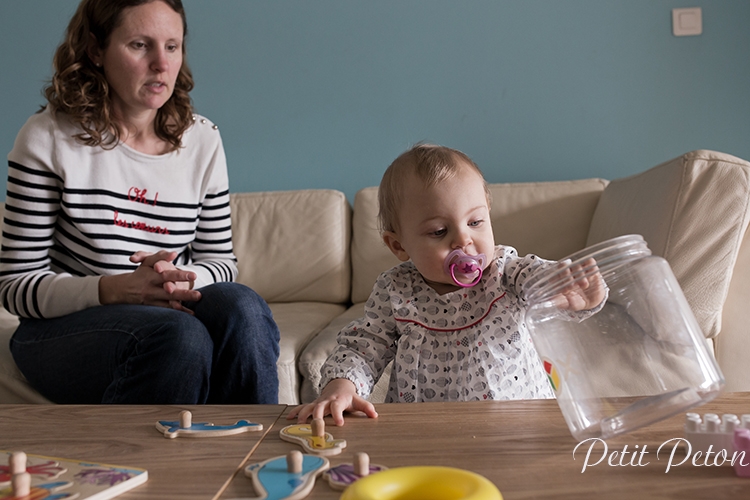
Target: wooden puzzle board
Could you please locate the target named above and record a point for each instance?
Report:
(68, 479)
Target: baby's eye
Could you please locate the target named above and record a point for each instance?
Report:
(475, 223)
(439, 232)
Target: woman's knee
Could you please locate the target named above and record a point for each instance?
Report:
(183, 339)
(239, 319)
(236, 303)
(231, 296)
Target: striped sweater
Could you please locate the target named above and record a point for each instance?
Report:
(74, 213)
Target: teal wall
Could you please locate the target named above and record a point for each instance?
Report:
(325, 93)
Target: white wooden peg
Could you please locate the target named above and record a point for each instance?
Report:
(20, 484)
(294, 462)
(17, 462)
(361, 464)
(186, 419)
(318, 427)
(20, 480)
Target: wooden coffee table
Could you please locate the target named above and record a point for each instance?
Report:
(180, 468)
(523, 447)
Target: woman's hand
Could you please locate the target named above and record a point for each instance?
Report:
(338, 396)
(155, 282)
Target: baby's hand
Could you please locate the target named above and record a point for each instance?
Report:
(583, 293)
(338, 396)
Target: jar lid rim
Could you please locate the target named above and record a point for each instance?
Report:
(607, 255)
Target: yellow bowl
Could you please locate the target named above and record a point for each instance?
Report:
(422, 483)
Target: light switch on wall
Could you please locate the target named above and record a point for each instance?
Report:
(687, 22)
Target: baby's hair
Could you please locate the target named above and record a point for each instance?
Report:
(431, 164)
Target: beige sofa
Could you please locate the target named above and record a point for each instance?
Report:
(314, 258)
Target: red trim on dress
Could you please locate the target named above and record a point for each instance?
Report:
(406, 320)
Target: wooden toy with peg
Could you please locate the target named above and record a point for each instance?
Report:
(313, 438)
(185, 427)
(343, 475)
(37, 477)
(289, 477)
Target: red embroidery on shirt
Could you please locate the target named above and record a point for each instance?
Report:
(138, 195)
(141, 226)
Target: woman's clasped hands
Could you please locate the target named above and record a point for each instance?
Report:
(155, 282)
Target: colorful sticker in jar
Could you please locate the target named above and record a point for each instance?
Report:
(552, 375)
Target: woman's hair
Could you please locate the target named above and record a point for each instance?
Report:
(80, 90)
(431, 164)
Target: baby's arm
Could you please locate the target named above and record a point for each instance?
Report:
(338, 396)
(586, 292)
(364, 348)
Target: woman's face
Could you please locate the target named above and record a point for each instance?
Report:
(142, 60)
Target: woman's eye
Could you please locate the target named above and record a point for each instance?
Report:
(172, 48)
(138, 45)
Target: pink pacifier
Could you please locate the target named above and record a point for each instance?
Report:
(465, 267)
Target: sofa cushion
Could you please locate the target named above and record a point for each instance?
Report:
(316, 352)
(550, 219)
(298, 323)
(693, 211)
(309, 233)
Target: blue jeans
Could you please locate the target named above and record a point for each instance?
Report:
(138, 354)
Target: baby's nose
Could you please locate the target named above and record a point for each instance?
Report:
(461, 240)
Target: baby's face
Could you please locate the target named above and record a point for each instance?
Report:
(434, 221)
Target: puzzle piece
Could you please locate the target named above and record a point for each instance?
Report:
(185, 427)
(48, 469)
(313, 438)
(44, 491)
(343, 475)
(37, 477)
(286, 478)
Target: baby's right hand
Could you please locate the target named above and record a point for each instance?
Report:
(338, 396)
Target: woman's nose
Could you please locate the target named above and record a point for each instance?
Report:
(160, 61)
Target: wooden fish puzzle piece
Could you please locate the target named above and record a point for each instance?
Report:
(186, 428)
(313, 438)
(37, 477)
(341, 476)
(290, 477)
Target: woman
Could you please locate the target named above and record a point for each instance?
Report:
(117, 251)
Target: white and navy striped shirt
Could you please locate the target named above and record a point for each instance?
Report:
(75, 212)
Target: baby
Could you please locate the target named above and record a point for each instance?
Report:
(451, 316)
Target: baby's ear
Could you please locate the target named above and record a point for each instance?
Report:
(391, 241)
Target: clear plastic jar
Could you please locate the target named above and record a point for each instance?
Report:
(638, 359)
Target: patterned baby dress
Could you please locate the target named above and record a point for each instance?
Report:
(470, 344)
